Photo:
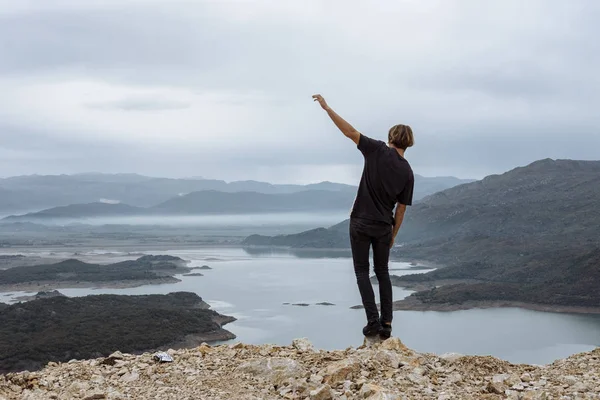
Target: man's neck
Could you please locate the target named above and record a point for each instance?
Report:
(400, 151)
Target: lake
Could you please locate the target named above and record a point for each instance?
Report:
(254, 285)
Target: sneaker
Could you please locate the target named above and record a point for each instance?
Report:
(372, 329)
(386, 330)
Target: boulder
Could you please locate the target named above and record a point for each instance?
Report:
(387, 358)
(275, 370)
(340, 371)
(303, 345)
(451, 357)
(395, 344)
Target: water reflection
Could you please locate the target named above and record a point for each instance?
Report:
(298, 253)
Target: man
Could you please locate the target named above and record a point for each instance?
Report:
(387, 180)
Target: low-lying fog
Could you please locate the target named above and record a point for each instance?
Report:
(270, 219)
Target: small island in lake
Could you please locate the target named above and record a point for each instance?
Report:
(146, 270)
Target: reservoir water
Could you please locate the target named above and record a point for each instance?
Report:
(254, 287)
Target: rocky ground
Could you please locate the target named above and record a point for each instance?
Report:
(375, 371)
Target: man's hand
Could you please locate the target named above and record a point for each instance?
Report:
(392, 242)
(347, 129)
(321, 100)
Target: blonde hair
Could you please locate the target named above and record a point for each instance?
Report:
(401, 136)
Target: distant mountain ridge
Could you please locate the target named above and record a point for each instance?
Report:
(216, 202)
(202, 203)
(97, 209)
(319, 197)
(34, 192)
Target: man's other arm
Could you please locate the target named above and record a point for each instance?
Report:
(348, 130)
(398, 218)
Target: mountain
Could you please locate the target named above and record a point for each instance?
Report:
(7, 200)
(528, 235)
(210, 201)
(334, 237)
(78, 211)
(17, 200)
(201, 203)
(425, 186)
(35, 192)
(137, 190)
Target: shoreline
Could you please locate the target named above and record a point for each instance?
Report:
(196, 339)
(410, 303)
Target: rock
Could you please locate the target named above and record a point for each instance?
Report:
(526, 377)
(509, 379)
(580, 387)
(454, 377)
(204, 348)
(117, 355)
(374, 392)
(387, 358)
(302, 345)
(369, 389)
(451, 357)
(512, 395)
(275, 370)
(250, 372)
(130, 377)
(340, 371)
(496, 387)
(383, 396)
(569, 380)
(370, 342)
(418, 379)
(321, 393)
(95, 396)
(395, 344)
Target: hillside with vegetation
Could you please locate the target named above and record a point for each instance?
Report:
(61, 328)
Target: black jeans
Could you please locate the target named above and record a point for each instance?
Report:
(364, 234)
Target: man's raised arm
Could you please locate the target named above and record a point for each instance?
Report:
(347, 129)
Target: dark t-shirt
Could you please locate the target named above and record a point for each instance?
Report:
(387, 179)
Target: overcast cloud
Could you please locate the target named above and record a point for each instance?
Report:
(222, 89)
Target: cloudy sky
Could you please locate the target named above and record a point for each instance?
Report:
(222, 89)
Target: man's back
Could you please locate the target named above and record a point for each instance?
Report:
(387, 179)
